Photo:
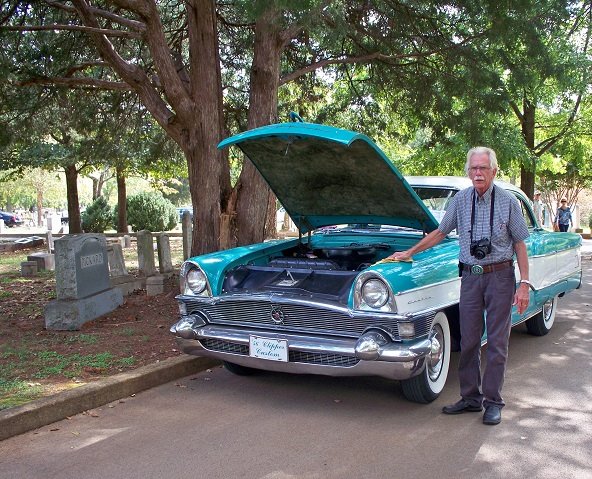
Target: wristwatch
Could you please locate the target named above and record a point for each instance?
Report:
(530, 285)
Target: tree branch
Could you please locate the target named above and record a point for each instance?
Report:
(517, 111)
(174, 89)
(76, 83)
(104, 31)
(133, 24)
(371, 57)
(131, 74)
(141, 7)
(339, 61)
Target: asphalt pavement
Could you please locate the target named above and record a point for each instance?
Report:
(213, 424)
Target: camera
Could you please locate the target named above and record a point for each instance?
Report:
(480, 248)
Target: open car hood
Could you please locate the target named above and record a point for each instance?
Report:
(326, 176)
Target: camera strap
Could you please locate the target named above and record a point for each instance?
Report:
(491, 209)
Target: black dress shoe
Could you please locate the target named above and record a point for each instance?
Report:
(492, 415)
(461, 406)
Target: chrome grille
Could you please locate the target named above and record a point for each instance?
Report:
(323, 359)
(303, 318)
(225, 346)
(423, 324)
(294, 356)
(297, 317)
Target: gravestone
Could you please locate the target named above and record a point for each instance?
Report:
(116, 261)
(83, 290)
(187, 232)
(119, 276)
(127, 241)
(163, 246)
(155, 285)
(28, 268)
(45, 261)
(145, 246)
(49, 242)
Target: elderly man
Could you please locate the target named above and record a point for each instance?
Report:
(491, 231)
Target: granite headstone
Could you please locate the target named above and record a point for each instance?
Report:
(83, 290)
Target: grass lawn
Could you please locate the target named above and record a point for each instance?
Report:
(35, 362)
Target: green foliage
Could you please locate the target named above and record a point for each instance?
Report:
(150, 211)
(97, 217)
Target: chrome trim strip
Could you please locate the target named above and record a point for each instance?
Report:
(280, 298)
(431, 285)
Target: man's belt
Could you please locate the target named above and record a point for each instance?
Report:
(486, 268)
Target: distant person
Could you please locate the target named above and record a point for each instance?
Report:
(563, 217)
(537, 206)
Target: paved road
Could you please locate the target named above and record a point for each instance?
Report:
(272, 426)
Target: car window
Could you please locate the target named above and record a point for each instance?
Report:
(526, 212)
(436, 199)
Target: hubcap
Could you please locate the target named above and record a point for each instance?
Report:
(436, 353)
(548, 311)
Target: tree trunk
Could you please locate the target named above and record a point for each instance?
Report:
(254, 201)
(208, 174)
(121, 201)
(95, 188)
(74, 225)
(528, 170)
(100, 184)
(39, 206)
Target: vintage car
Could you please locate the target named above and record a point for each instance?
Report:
(328, 302)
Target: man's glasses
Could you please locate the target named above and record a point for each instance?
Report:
(475, 169)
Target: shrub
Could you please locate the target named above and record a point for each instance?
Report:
(151, 211)
(590, 222)
(97, 217)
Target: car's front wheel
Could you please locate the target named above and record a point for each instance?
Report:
(238, 369)
(542, 322)
(428, 385)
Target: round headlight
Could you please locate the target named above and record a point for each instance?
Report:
(375, 293)
(195, 281)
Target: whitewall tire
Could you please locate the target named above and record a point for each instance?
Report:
(428, 385)
(542, 322)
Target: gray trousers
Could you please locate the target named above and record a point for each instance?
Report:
(492, 293)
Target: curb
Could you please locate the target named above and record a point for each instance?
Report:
(54, 408)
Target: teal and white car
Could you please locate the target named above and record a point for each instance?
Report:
(326, 302)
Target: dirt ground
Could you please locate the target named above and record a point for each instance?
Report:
(35, 362)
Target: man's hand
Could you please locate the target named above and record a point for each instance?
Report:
(522, 298)
(401, 256)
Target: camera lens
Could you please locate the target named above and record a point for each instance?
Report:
(479, 253)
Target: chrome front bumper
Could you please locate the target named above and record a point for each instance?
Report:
(373, 354)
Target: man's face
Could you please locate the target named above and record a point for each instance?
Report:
(480, 172)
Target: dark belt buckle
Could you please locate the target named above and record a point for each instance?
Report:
(477, 269)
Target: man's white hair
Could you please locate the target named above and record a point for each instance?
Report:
(478, 150)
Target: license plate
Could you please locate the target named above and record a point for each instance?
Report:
(267, 348)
